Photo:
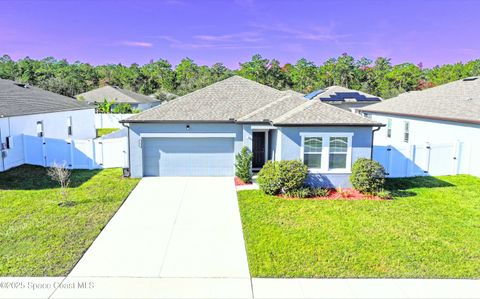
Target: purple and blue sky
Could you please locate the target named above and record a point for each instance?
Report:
(209, 31)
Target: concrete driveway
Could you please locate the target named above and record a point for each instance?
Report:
(173, 229)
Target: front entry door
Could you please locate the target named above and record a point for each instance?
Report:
(258, 149)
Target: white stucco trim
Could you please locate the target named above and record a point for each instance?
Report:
(326, 151)
(188, 135)
(263, 127)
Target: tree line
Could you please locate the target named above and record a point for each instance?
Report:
(378, 77)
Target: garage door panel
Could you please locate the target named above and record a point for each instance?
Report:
(188, 157)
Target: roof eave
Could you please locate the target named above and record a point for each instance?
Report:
(48, 112)
(151, 121)
(459, 120)
(328, 125)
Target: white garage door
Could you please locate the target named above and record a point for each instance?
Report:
(188, 157)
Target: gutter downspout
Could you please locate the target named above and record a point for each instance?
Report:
(128, 141)
(373, 136)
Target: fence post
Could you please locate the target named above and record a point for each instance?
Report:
(388, 159)
(456, 157)
(93, 164)
(44, 151)
(411, 160)
(24, 149)
(427, 158)
(72, 145)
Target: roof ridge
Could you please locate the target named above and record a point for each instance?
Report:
(265, 107)
(294, 111)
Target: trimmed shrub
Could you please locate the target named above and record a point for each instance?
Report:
(384, 194)
(293, 174)
(367, 176)
(282, 176)
(320, 192)
(269, 178)
(302, 192)
(243, 165)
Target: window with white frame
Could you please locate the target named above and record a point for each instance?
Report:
(389, 128)
(406, 132)
(312, 152)
(40, 132)
(327, 152)
(338, 153)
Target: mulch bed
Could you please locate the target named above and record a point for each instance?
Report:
(344, 194)
(239, 182)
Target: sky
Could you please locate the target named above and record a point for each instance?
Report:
(209, 31)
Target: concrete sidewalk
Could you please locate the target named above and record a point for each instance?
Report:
(126, 287)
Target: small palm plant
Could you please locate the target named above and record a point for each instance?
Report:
(104, 107)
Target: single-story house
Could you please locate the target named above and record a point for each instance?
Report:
(344, 98)
(199, 134)
(31, 111)
(445, 114)
(119, 96)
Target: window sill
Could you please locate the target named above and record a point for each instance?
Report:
(331, 171)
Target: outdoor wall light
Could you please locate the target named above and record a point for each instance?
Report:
(187, 127)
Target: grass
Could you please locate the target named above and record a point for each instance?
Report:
(105, 131)
(430, 230)
(40, 238)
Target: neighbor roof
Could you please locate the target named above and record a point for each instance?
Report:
(237, 99)
(115, 94)
(341, 94)
(22, 99)
(456, 101)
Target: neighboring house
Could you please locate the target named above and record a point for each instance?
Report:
(341, 97)
(31, 111)
(199, 134)
(442, 115)
(119, 96)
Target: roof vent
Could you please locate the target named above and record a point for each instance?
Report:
(22, 85)
(470, 79)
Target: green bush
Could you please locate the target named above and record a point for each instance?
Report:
(269, 178)
(293, 174)
(282, 176)
(384, 194)
(367, 176)
(243, 165)
(122, 108)
(302, 192)
(320, 192)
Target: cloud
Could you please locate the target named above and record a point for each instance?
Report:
(317, 33)
(249, 37)
(137, 44)
(235, 41)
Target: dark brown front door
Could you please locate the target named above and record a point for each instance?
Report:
(258, 149)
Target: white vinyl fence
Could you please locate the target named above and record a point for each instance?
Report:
(76, 154)
(428, 159)
(109, 120)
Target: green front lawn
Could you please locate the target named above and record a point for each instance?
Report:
(431, 229)
(105, 131)
(40, 238)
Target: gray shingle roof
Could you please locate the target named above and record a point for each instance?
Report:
(115, 94)
(455, 101)
(243, 100)
(315, 112)
(17, 99)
